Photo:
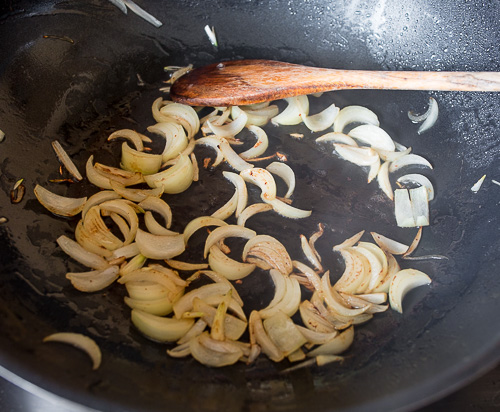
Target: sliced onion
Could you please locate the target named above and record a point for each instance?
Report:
(392, 269)
(213, 142)
(333, 300)
(313, 320)
(226, 210)
(420, 205)
(125, 210)
(126, 251)
(271, 251)
(183, 114)
(241, 188)
(323, 120)
(220, 353)
(286, 210)
(135, 161)
(258, 116)
(81, 342)
(88, 241)
(284, 333)
(160, 329)
(260, 145)
(93, 281)
(374, 170)
(59, 205)
(66, 160)
(185, 303)
(228, 267)
(361, 156)
(198, 223)
(349, 242)
(97, 229)
(407, 160)
(475, 188)
(420, 180)
(133, 265)
(389, 245)
(163, 278)
(135, 195)
(429, 117)
(336, 345)
(354, 114)
(98, 198)
(175, 138)
(135, 8)
(263, 179)
(231, 129)
(414, 243)
(196, 330)
(310, 253)
(260, 336)
(403, 208)
(378, 266)
(355, 272)
(391, 156)
(159, 307)
(384, 181)
(94, 177)
(252, 210)
(297, 107)
(77, 252)
(337, 137)
(159, 247)
(124, 177)
(286, 173)
(234, 160)
(374, 136)
(404, 281)
(159, 206)
(131, 135)
(174, 180)
(154, 227)
(223, 232)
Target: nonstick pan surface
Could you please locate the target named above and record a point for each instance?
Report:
(68, 71)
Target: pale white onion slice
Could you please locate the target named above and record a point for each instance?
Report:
(310, 253)
(135, 161)
(154, 227)
(185, 266)
(213, 142)
(284, 333)
(198, 223)
(258, 116)
(159, 247)
(214, 353)
(175, 179)
(403, 208)
(420, 180)
(297, 107)
(252, 210)
(475, 188)
(286, 173)
(223, 232)
(131, 135)
(323, 120)
(198, 327)
(133, 265)
(260, 145)
(354, 114)
(125, 210)
(228, 267)
(175, 138)
(158, 328)
(59, 205)
(404, 281)
(374, 136)
(183, 114)
(234, 160)
(168, 280)
(337, 137)
(98, 198)
(77, 252)
(334, 301)
(146, 290)
(414, 243)
(66, 160)
(217, 278)
(241, 189)
(392, 269)
(94, 177)
(391, 156)
(93, 281)
(384, 181)
(159, 206)
(429, 118)
(286, 210)
(231, 129)
(374, 169)
(355, 273)
(349, 242)
(289, 303)
(361, 156)
(185, 303)
(135, 195)
(159, 307)
(336, 345)
(126, 251)
(389, 245)
(259, 335)
(79, 341)
(317, 338)
(408, 160)
(420, 205)
(380, 267)
(263, 179)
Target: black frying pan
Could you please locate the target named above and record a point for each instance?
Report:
(80, 83)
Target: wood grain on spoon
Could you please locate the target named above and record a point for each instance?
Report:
(253, 81)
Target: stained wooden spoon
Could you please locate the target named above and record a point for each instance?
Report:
(253, 81)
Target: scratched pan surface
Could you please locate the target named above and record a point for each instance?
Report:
(79, 83)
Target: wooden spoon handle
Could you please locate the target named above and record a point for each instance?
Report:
(253, 81)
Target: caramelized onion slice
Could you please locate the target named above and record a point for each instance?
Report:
(59, 205)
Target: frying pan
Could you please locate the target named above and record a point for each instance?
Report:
(68, 71)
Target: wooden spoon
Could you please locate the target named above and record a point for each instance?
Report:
(253, 81)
